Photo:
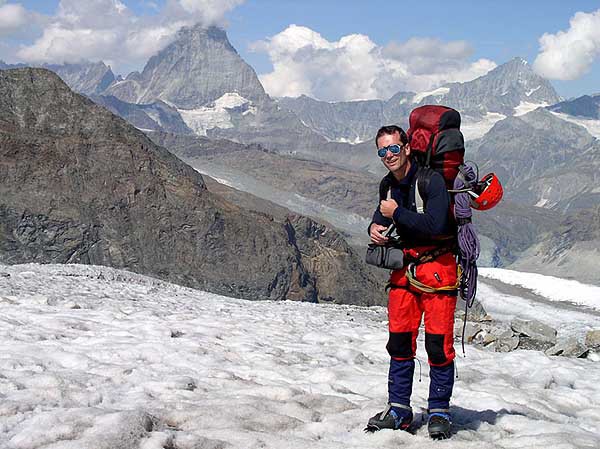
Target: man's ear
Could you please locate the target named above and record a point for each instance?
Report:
(407, 150)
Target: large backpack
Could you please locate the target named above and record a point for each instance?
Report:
(436, 141)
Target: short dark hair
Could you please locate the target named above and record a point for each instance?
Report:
(391, 129)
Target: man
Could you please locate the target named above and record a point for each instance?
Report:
(428, 288)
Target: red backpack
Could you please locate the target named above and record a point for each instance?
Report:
(436, 141)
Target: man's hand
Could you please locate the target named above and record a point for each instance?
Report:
(376, 234)
(387, 208)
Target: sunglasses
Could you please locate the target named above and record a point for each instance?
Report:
(394, 149)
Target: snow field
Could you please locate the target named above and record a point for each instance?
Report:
(92, 357)
(552, 288)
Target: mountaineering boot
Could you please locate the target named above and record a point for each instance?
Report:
(440, 391)
(439, 424)
(395, 417)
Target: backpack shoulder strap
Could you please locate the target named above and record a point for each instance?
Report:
(421, 188)
(384, 188)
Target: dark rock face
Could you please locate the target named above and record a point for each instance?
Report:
(80, 185)
(324, 252)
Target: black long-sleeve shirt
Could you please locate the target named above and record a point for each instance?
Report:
(410, 225)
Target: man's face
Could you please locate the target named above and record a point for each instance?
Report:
(396, 163)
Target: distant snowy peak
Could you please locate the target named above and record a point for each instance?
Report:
(474, 128)
(347, 121)
(500, 91)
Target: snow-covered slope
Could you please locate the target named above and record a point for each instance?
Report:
(92, 357)
(552, 288)
(216, 114)
(591, 125)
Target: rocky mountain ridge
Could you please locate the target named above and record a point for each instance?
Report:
(88, 78)
(156, 116)
(502, 92)
(586, 106)
(81, 185)
(542, 160)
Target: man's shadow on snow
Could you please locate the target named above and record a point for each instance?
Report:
(465, 419)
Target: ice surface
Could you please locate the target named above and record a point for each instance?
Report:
(97, 358)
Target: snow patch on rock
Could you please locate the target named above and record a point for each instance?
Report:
(528, 93)
(592, 126)
(432, 93)
(474, 128)
(154, 115)
(216, 114)
(356, 141)
(544, 200)
(525, 106)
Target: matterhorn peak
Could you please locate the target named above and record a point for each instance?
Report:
(196, 69)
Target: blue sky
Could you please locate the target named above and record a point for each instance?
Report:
(489, 31)
(497, 30)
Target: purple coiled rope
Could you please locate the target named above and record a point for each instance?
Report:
(468, 242)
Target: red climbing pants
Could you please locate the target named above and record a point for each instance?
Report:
(407, 305)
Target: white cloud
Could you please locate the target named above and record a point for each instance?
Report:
(108, 30)
(60, 45)
(12, 18)
(356, 68)
(568, 55)
(209, 11)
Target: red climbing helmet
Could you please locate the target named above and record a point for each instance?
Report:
(487, 193)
